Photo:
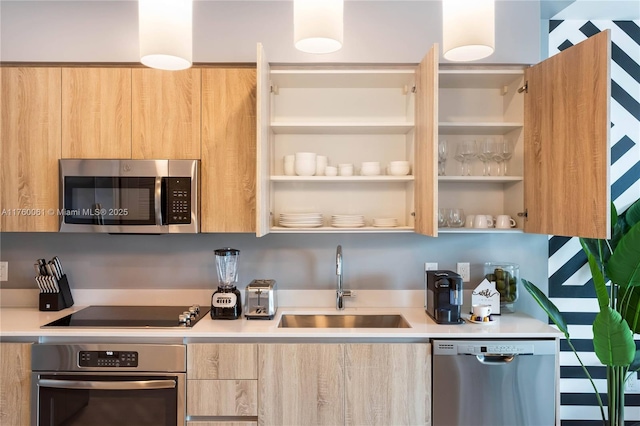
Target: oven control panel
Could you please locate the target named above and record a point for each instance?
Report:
(108, 359)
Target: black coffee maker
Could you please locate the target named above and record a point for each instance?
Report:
(226, 302)
(443, 296)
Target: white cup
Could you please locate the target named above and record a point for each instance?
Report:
(289, 165)
(490, 221)
(469, 221)
(305, 164)
(505, 221)
(481, 310)
(480, 221)
(345, 169)
(330, 171)
(321, 165)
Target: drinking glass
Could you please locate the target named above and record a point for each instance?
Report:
(466, 151)
(442, 217)
(455, 218)
(485, 154)
(505, 149)
(442, 157)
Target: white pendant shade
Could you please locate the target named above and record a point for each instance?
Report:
(318, 25)
(166, 33)
(468, 29)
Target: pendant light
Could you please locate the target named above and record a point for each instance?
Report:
(166, 33)
(468, 29)
(318, 25)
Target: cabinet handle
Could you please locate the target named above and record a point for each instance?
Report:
(524, 214)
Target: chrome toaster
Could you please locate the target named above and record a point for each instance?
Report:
(260, 300)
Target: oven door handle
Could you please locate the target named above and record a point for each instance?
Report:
(112, 385)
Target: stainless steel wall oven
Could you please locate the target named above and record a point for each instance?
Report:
(108, 384)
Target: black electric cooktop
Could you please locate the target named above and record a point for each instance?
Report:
(133, 317)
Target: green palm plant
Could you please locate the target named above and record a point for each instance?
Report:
(616, 260)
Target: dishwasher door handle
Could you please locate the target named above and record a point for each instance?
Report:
(496, 359)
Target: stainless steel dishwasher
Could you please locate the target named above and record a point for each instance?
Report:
(494, 382)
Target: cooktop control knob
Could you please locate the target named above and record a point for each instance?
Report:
(184, 319)
(196, 308)
(193, 311)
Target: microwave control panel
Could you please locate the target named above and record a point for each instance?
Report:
(177, 200)
(108, 359)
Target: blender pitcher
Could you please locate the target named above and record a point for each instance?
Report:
(226, 301)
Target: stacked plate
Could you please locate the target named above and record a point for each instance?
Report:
(385, 222)
(347, 220)
(300, 220)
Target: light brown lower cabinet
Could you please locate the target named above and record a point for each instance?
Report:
(222, 385)
(15, 383)
(338, 384)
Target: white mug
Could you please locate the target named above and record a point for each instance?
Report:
(289, 165)
(480, 221)
(481, 310)
(469, 221)
(505, 221)
(490, 221)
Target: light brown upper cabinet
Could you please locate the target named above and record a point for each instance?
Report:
(30, 149)
(165, 114)
(96, 113)
(567, 189)
(351, 114)
(228, 201)
(555, 115)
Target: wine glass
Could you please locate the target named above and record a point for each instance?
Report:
(466, 151)
(505, 150)
(485, 154)
(442, 157)
(455, 218)
(442, 217)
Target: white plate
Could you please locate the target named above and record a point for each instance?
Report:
(349, 225)
(468, 318)
(298, 225)
(377, 225)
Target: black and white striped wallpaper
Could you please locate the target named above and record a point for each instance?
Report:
(570, 286)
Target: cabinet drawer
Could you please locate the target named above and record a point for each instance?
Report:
(222, 361)
(222, 397)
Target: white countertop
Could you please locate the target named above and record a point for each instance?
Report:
(24, 324)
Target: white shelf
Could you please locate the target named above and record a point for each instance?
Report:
(345, 78)
(477, 128)
(478, 78)
(336, 128)
(332, 230)
(481, 179)
(479, 231)
(333, 179)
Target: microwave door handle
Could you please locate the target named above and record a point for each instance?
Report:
(159, 207)
(99, 385)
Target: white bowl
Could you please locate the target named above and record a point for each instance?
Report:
(370, 171)
(306, 156)
(399, 170)
(305, 168)
(331, 171)
(399, 163)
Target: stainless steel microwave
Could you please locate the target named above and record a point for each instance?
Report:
(129, 196)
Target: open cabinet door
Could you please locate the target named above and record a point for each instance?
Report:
(426, 145)
(263, 143)
(566, 142)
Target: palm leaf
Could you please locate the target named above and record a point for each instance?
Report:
(547, 305)
(598, 278)
(612, 338)
(632, 215)
(624, 266)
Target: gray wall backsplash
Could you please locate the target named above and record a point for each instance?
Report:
(296, 262)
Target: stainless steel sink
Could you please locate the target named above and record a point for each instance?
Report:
(343, 321)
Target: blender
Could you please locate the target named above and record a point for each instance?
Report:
(226, 302)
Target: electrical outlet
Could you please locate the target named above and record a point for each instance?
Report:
(4, 271)
(430, 266)
(464, 270)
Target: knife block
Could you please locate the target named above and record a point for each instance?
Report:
(57, 301)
